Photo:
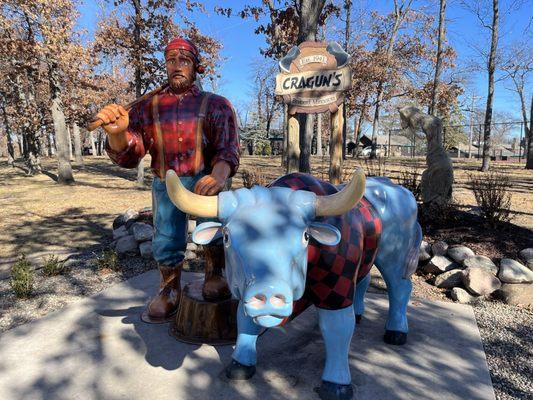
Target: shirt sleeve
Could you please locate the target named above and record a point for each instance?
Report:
(223, 133)
(135, 150)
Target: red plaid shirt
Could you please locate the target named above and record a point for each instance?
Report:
(177, 144)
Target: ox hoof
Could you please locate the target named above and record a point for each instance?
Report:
(334, 391)
(396, 338)
(358, 319)
(239, 372)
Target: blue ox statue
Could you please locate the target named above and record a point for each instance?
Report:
(301, 241)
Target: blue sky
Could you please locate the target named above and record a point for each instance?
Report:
(241, 45)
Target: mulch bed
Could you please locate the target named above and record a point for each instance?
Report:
(469, 229)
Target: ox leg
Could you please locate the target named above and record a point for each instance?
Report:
(244, 357)
(359, 298)
(399, 292)
(337, 328)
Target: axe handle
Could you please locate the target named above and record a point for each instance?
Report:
(96, 122)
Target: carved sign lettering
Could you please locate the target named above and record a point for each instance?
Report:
(314, 77)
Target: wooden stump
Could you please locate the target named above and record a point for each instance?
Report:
(204, 322)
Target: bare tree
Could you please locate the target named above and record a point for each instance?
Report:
(438, 64)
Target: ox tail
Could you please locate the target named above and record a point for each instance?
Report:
(411, 261)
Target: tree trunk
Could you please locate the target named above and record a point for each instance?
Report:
(400, 14)
(30, 144)
(490, 96)
(529, 139)
(77, 145)
(64, 168)
(310, 11)
(138, 72)
(438, 64)
(319, 135)
(348, 8)
(7, 127)
(69, 138)
(93, 144)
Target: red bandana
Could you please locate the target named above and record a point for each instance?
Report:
(184, 44)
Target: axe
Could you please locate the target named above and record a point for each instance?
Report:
(96, 122)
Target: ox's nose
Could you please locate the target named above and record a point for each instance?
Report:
(275, 300)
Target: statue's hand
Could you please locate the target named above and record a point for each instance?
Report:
(115, 118)
(209, 185)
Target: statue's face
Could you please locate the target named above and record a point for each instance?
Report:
(180, 70)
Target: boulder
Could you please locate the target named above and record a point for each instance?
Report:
(462, 296)
(146, 249)
(142, 232)
(127, 245)
(529, 265)
(512, 271)
(425, 251)
(126, 217)
(517, 294)
(460, 253)
(192, 246)
(526, 254)
(439, 248)
(121, 231)
(479, 281)
(439, 264)
(481, 262)
(191, 225)
(449, 279)
(190, 255)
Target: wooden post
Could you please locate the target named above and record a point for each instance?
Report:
(335, 167)
(293, 144)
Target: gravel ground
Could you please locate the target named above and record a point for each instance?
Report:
(506, 331)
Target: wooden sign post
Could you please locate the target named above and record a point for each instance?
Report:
(313, 79)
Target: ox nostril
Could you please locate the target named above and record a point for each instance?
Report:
(278, 300)
(257, 301)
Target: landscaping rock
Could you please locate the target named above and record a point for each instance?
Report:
(512, 271)
(481, 262)
(460, 253)
(145, 215)
(439, 264)
(190, 255)
(146, 249)
(439, 248)
(142, 232)
(462, 296)
(120, 232)
(449, 279)
(526, 254)
(192, 246)
(479, 281)
(127, 245)
(191, 226)
(425, 251)
(529, 265)
(516, 294)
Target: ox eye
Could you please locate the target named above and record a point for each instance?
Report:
(305, 237)
(225, 237)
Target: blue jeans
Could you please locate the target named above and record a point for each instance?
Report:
(170, 223)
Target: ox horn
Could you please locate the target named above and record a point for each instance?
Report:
(189, 202)
(346, 199)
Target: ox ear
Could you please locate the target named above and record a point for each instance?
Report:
(207, 232)
(324, 233)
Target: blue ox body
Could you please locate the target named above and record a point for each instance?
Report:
(276, 237)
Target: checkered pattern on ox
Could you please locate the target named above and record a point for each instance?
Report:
(333, 271)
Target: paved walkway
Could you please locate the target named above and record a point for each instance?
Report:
(99, 349)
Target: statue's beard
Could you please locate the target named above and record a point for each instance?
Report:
(180, 84)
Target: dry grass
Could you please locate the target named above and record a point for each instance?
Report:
(36, 214)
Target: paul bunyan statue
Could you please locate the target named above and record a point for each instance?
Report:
(192, 133)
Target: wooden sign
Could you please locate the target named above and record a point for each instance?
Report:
(313, 78)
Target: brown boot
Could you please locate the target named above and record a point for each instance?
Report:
(215, 285)
(165, 304)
